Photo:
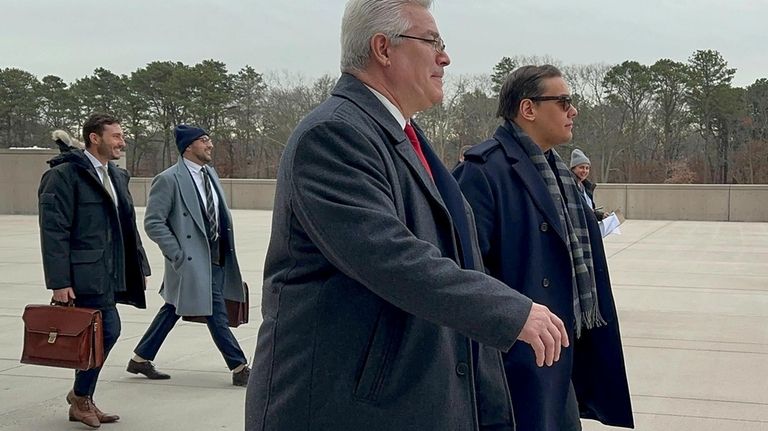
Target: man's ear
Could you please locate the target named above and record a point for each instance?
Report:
(527, 110)
(380, 45)
(94, 137)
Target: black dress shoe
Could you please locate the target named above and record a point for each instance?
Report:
(146, 368)
(240, 378)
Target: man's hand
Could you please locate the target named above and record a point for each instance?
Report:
(546, 334)
(64, 295)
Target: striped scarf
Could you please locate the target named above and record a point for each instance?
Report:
(573, 218)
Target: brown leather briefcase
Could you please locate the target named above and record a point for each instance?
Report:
(237, 312)
(63, 336)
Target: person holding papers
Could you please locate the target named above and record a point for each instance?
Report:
(580, 166)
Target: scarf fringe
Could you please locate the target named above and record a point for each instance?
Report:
(591, 319)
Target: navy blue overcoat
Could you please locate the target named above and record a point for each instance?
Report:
(523, 244)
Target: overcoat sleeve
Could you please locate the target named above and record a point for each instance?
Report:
(344, 197)
(56, 211)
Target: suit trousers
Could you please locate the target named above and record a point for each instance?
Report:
(85, 381)
(218, 325)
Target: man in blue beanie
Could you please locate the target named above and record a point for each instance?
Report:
(187, 216)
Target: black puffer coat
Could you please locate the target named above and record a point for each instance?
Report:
(86, 242)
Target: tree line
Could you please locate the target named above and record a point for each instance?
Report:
(673, 122)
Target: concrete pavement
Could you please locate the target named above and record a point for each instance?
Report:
(692, 298)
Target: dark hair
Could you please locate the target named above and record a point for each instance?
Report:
(523, 83)
(95, 124)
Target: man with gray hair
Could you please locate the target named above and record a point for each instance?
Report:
(373, 285)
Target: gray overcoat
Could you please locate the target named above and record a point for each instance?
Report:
(370, 298)
(174, 220)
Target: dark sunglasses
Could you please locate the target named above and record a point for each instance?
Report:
(565, 101)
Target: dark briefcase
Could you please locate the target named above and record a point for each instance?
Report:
(63, 336)
(237, 312)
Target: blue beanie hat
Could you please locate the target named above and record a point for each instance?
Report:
(185, 135)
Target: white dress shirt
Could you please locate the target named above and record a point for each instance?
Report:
(390, 107)
(197, 175)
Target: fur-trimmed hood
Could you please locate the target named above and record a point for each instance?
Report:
(71, 150)
(65, 142)
(72, 155)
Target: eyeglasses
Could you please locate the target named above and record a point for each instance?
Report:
(565, 101)
(437, 43)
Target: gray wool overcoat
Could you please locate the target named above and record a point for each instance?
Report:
(368, 311)
(174, 220)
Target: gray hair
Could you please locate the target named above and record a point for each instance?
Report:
(363, 19)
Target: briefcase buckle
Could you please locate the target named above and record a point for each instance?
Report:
(52, 336)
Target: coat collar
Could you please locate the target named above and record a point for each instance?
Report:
(531, 178)
(188, 192)
(350, 88)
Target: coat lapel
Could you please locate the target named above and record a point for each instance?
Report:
(352, 89)
(405, 150)
(531, 179)
(189, 193)
(453, 200)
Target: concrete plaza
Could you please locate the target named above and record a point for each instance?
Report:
(692, 299)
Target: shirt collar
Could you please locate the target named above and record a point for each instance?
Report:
(192, 166)
(94, 161)
(390, 107)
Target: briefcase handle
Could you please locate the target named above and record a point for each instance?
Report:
(69, 303)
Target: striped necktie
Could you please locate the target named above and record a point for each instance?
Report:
(210, 207)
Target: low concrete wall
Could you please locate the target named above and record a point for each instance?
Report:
(702, 202)
(748, 203)
(252, 194)
(20, 172)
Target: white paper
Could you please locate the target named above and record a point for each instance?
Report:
(610, 225)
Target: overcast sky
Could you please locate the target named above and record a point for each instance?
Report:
(70, 38)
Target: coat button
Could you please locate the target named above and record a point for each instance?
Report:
(185, 214)
(189, 236)
(462, 369)
(189, 258)
(545, 282)
(544, 227)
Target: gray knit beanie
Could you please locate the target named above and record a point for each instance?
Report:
(578, 158)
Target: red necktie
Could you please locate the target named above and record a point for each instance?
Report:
(411, 134)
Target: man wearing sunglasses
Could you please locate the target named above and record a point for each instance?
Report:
(538, 236)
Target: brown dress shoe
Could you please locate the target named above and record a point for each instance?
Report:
(105, 418)
(82, 410)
